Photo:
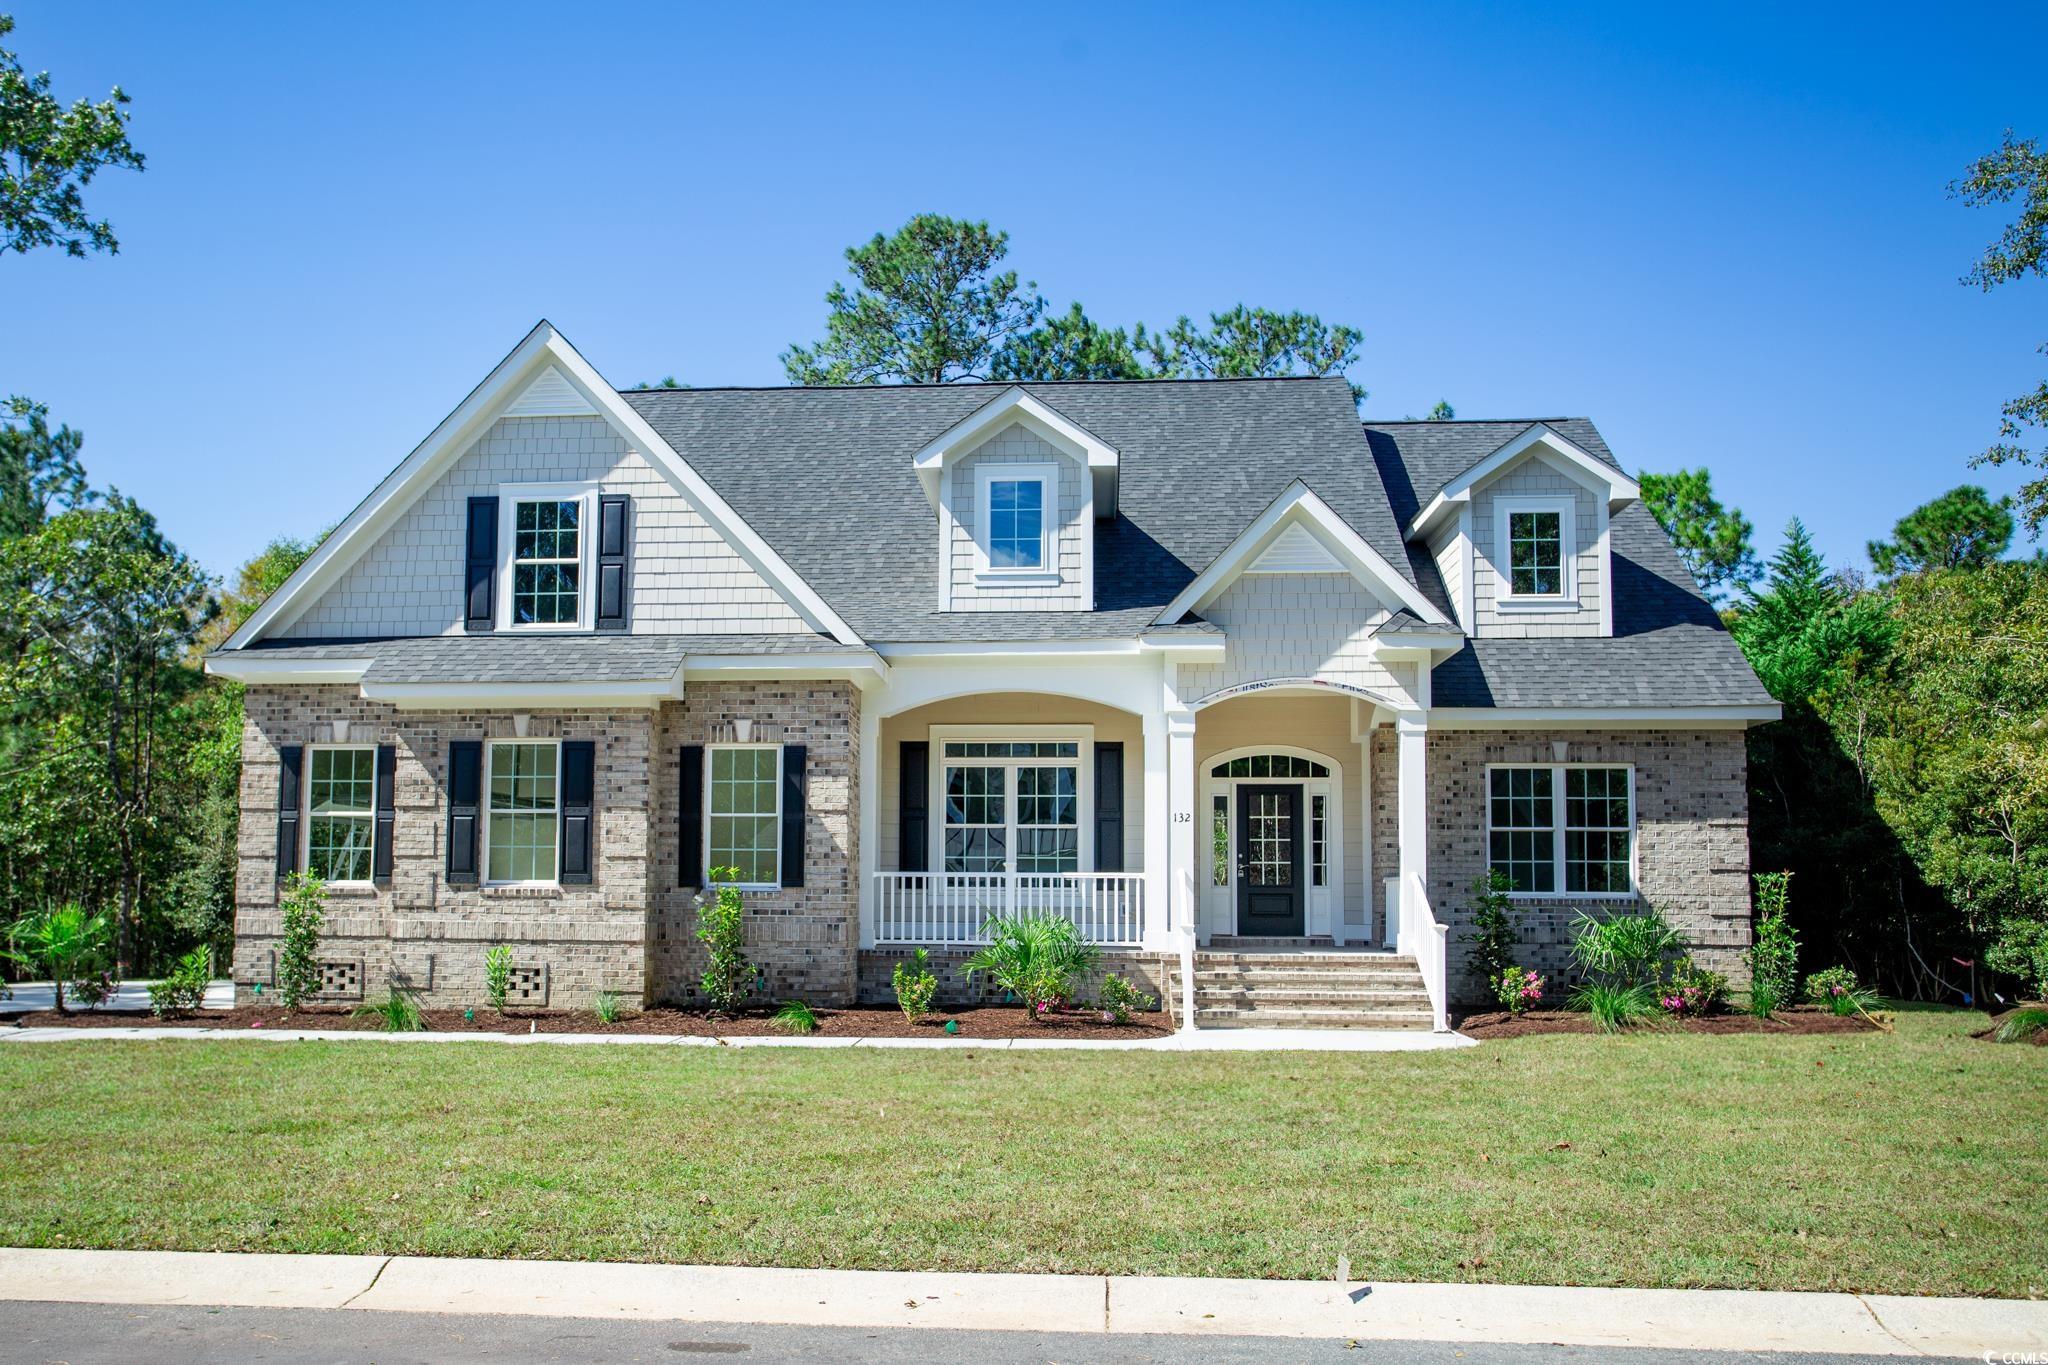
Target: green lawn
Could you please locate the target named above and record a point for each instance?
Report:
(1914, 1163)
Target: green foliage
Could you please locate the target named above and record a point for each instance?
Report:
(1837, 988)
(2016, 171)
(1071, 345)
(608, 1007)
(1494, 936)
(2021, 1025)
(721, 928)
(1961, 529)
(497, 975)
(1613, 1006)
(1518, 989)
(1713, 541)
(303, 902)
(1623, 950)
(1689, 990)
(796, 1017)
(2021, 951)
(61, 942)
(1442, 412)
(40, 472)
(1249, 343)
(928, 306)
(1122, 998)
(1035, 960)
(182, 989)
(1774, 946)
(915, 985)
(397, 1012)
(48, 154)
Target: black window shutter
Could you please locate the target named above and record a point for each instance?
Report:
(579, 773)
(794, 788)
(290, 761)
(614, 549)
(690, 818)
(913, 814)
(1109, 807)
(387, 813)
(480, 570)
(465, 791)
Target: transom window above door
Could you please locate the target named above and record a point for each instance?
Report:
(1011, 806)
(1269, 765)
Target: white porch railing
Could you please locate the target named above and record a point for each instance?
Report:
(935, 908)
(1424, 939)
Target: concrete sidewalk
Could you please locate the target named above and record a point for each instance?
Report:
(1717, 1320)
(129, 995)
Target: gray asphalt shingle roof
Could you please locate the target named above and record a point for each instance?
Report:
(542, 658)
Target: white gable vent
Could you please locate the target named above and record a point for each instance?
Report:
(1296, 551)
(550, 395)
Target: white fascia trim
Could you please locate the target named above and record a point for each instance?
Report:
(1013, 649)
(1300, 504)
(249, 666)
(638, 694)
(865, 668)
(1016, 405)
(485, 403)
(1621, 717)
(1567, 457)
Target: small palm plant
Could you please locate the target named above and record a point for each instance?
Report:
(1035, 960)
(61, 942)
(1620, 960)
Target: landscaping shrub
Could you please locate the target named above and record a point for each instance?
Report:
(97, 988)
(796, 1017)
(61, 942)
(2021, 951)
(1494, 936)
(1690, 990)
(183, 988)
(608, 1007)
(2022, 1024)
(1774, 952)
(722, 929)
(303, 904)
(915, 985)
(1518, 989)
(1035, 960)
(498, 975)
(1614, 1007)
(1627, 950)
(1837, 989)
(1121, 998)
(397, 1012)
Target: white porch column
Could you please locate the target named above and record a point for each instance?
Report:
(1180, 821)
(867, 799)
(1158, 876)
(1412, 734)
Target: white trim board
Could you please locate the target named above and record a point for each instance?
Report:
(1543, 442)
(541, 347)
(1014, 405)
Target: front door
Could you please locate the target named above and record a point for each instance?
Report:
(1270, 886)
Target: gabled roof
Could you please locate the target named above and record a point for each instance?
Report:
(1538, 440)
(542, 350)
(1016, 404)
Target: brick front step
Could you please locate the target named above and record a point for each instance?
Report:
(1207, 1017)
(1236, 986)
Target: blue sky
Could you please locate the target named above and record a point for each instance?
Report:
(1724, 235)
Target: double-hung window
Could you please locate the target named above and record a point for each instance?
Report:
(544, 556)
(523, 817)
(1017, 511)
(745, 811)
(341, 813)
(1535, 539)
(1011, 806)
(1568, 826)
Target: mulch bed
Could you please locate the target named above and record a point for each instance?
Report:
(862, 1021)
(1800, 1019)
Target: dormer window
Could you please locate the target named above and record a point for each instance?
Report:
(1019, 505)
(545, 554)
(1535, 540)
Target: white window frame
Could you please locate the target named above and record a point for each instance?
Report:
(1567, 509)
(1082, 736)
(509, 498)
(306, 811)
(485, 813)
(1557, 830)
(1047, 476)
(709, 766)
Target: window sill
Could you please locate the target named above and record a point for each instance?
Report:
(1016, 578)
(1556, 604)
(1574, 895)
(357, 890)
(521, 890)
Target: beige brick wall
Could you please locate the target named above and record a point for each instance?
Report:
(805, 939)
(420, 931)
(1692, 830)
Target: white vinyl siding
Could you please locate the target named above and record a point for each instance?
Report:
(1060, 583)
(1534, 484)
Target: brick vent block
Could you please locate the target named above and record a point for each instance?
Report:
(529, 986)
(341, 980)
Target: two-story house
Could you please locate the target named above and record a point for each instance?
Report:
(1228, 678)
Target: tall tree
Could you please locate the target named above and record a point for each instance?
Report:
(1712, 540)
(1072, 345)
(254, 582)
(48, 154)
(928, 306)
(1244, 343)
(39, 468)
(1443, 411)
(2018, 170)
(1961, 529)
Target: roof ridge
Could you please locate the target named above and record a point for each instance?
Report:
(1459, 421)
(985, 384)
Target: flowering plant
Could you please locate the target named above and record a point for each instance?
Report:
(1689, 990)
(1518, 989)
